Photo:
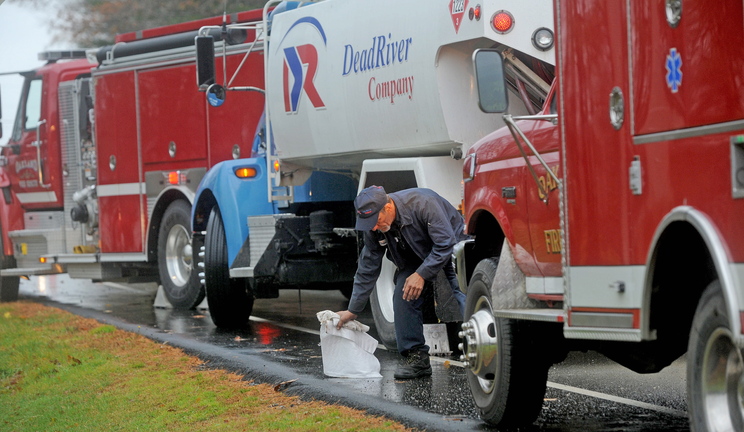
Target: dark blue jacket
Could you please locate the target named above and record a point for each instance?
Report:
(430, 226)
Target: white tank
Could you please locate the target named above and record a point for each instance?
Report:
(350, 80)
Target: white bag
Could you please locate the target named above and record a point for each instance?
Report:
(347, 352)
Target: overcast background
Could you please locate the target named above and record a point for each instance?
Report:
(24, 32)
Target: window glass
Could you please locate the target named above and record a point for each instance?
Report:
(33, 105)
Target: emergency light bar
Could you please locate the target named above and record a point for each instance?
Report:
(53, 56)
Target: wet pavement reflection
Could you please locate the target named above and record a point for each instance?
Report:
(285, 331)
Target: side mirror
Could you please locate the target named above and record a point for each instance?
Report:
(490, 80)
(205, 74)
(216, 95)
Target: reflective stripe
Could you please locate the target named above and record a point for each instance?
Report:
(37, 197)
(120, 189)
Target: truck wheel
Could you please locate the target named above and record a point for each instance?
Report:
(715, 371)
(382, 305)
(178, 276)
(230, 302)
(8, 284)
(506, 374)
(9, 288)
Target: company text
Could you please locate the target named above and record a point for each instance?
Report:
(383, 52)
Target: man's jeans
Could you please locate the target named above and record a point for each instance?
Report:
(409, 317)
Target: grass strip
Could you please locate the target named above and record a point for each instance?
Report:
(61, 372)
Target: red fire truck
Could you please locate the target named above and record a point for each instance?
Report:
(610, 220)
(106, 153)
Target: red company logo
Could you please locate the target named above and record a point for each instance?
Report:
(457, 9)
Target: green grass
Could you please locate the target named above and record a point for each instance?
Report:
(60, 372)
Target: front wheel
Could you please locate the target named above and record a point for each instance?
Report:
(8, 284)
(175, 258)
(230, 301)
(506, 374)
(715, 370)
(381, 302)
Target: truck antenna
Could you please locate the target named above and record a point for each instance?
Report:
(224, 21)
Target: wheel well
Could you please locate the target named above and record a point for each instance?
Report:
(201, 211)
(489, 238)
(682, 268)
(155, 219)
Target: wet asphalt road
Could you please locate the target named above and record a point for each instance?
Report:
(586, 392)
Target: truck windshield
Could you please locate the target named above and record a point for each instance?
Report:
(29, 109)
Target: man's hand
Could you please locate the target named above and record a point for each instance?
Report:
(346, 316)
(413, 287)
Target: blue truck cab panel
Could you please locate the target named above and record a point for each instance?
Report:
(237, 198)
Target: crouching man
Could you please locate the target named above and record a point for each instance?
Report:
(418, 230)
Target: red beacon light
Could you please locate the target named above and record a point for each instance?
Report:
(502, 22)
(475, 12)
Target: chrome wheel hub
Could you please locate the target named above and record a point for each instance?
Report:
(480, 344)
(178, 255)
(723, 382)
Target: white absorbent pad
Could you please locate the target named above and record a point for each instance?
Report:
(347, 352)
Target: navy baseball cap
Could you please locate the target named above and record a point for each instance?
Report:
(368, 204)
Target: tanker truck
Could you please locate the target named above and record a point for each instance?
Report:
(358, 93)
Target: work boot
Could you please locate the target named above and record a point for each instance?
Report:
(415, 365)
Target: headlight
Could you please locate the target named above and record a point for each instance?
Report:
(543, 39)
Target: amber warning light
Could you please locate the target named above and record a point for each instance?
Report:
(245, 172)
(502, 22)
(176, 178)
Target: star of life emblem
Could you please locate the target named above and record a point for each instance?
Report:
(674, 70)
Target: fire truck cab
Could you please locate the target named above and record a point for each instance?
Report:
(611, 220)
(107, 151)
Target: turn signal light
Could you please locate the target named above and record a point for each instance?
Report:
(176, 177)
(245, 172)
(276, 166)
(502, 22)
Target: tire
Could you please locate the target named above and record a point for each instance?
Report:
(507, 374)
(230, 302)
(178, 276)
(714, 368)
(381, 302)
(8, 284)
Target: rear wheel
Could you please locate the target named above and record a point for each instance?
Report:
(507, 375)
(382, 305)
(175, 258)
(230, 301)
(715, 370)
(8, 284)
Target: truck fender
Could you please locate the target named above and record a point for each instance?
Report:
(162, 201)
(718, 253)
(237, 198)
